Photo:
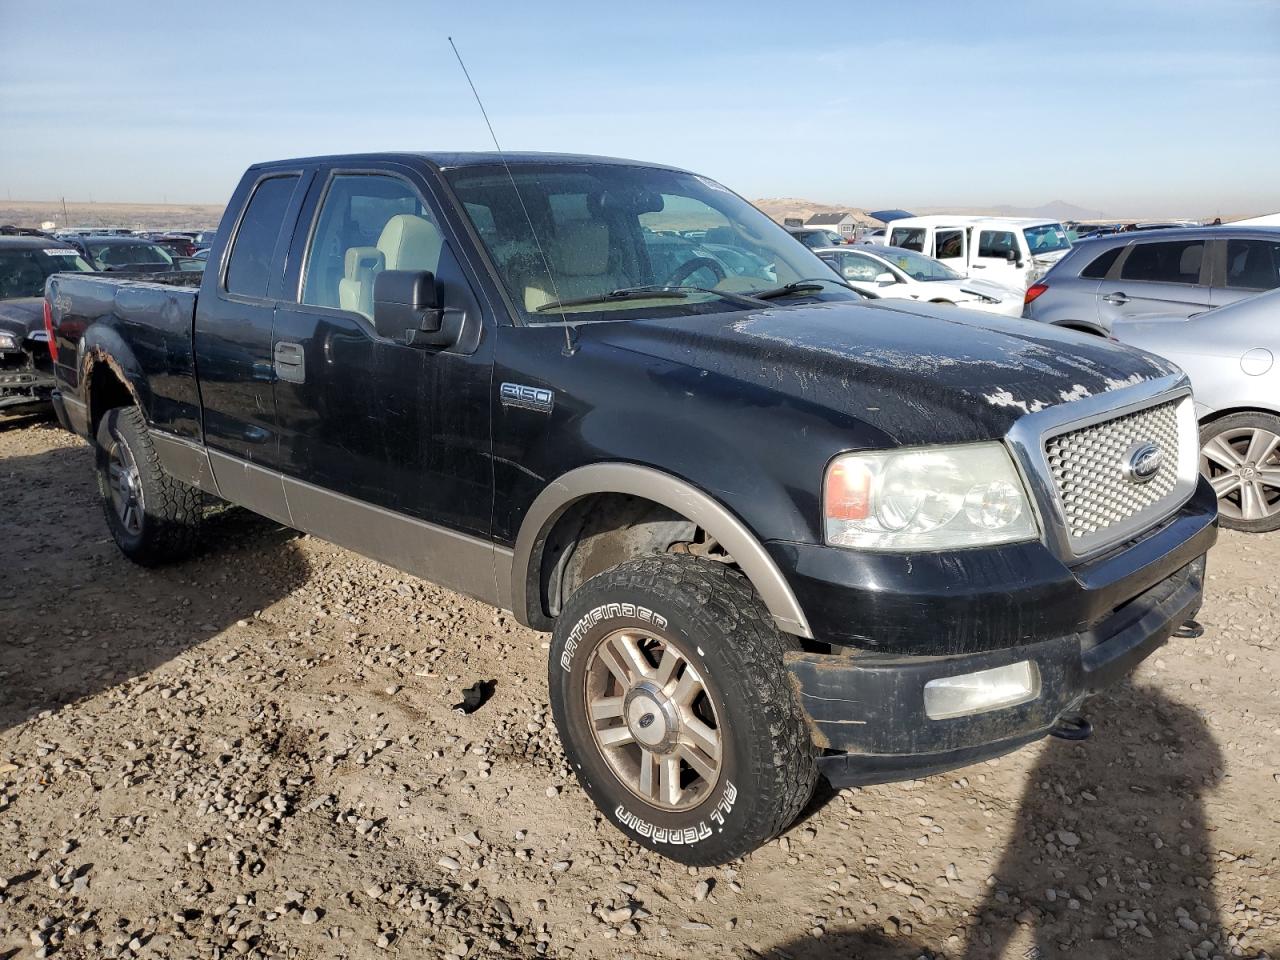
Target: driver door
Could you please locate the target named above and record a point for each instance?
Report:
(379, 435)
(992, 257)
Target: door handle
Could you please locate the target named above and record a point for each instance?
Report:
(290, 362)
(1116, 298)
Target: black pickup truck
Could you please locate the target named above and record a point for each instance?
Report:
(776, 532)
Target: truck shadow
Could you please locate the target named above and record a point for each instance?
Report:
(1103, 827)
(77, 619)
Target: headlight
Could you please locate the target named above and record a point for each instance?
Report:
(8, 341)
(926, 498)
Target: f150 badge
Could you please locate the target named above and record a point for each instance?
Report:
(530, 398)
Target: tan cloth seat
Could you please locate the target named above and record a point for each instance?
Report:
(407, 242)
(579, 258)
(355, 289)
(410, 242)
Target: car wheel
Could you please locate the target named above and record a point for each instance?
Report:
(673, 703)
(1240, 457)
(153, 518)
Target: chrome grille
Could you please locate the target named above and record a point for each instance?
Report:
(1089, 471)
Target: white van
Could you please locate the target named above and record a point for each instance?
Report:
(1012, 251)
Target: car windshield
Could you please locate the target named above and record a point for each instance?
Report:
(127, 254)
(1046, 238)
(917, 266)
(607, 228)
(23, 272)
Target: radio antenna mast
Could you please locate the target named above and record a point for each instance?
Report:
(546, 264)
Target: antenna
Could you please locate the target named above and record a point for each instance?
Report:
(569, 348)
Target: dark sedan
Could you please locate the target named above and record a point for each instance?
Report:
(125, 253)
(26, 372)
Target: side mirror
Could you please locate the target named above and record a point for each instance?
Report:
(886, 279)
(1012, 256)
(406, 307)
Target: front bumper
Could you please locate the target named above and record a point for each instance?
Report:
(24, 385)
(865, 706)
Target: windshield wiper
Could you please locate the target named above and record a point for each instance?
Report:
(651, 292)
(795, 286)
(627, 293)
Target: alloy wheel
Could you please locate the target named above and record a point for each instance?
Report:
(124, 484)
(654, 719)
(1243, 466)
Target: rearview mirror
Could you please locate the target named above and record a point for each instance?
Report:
(886, 279)
(406, 305)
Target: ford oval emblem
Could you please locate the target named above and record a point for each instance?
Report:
(646, 721)
(1142, 462)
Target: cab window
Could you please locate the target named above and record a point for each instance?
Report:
(997, 244)
(368, 223)
(949, 244)
(249, 268)
(909, 238)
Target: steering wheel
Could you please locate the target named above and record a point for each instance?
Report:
(690, 267)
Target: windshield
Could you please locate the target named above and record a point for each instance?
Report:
(917, 266)
(127, 254)
(1046, 238)
(611, 227)
(23, 272)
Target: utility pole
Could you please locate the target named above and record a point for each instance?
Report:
(66, 220)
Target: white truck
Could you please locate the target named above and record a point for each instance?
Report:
(1012, 251)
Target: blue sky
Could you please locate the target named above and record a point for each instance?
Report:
(1129, 106)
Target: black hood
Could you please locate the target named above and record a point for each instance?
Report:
(917, 374)
(22, 316)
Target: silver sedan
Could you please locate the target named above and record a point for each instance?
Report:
(1230, 354)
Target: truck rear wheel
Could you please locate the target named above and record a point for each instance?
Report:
(671, 697)
(153, 518)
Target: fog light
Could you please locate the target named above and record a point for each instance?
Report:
(979, 692)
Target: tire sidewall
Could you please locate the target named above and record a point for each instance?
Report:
(700, 832)
(117, 428)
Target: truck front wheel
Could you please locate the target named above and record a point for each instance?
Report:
(671, 697)
(153, 518)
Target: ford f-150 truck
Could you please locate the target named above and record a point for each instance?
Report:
(775, 531)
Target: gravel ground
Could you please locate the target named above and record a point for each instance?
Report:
(255, 754)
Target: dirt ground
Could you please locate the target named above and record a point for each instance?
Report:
(255, 754)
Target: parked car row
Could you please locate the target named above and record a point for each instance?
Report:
(1207, 298)
(26, 367)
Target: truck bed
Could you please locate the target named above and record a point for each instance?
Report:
(144, 323)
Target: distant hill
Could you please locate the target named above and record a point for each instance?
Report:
(780, 208)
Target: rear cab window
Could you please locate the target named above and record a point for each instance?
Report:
(909, 238)
(949, 244)
(249, 267)
(1170, 261)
